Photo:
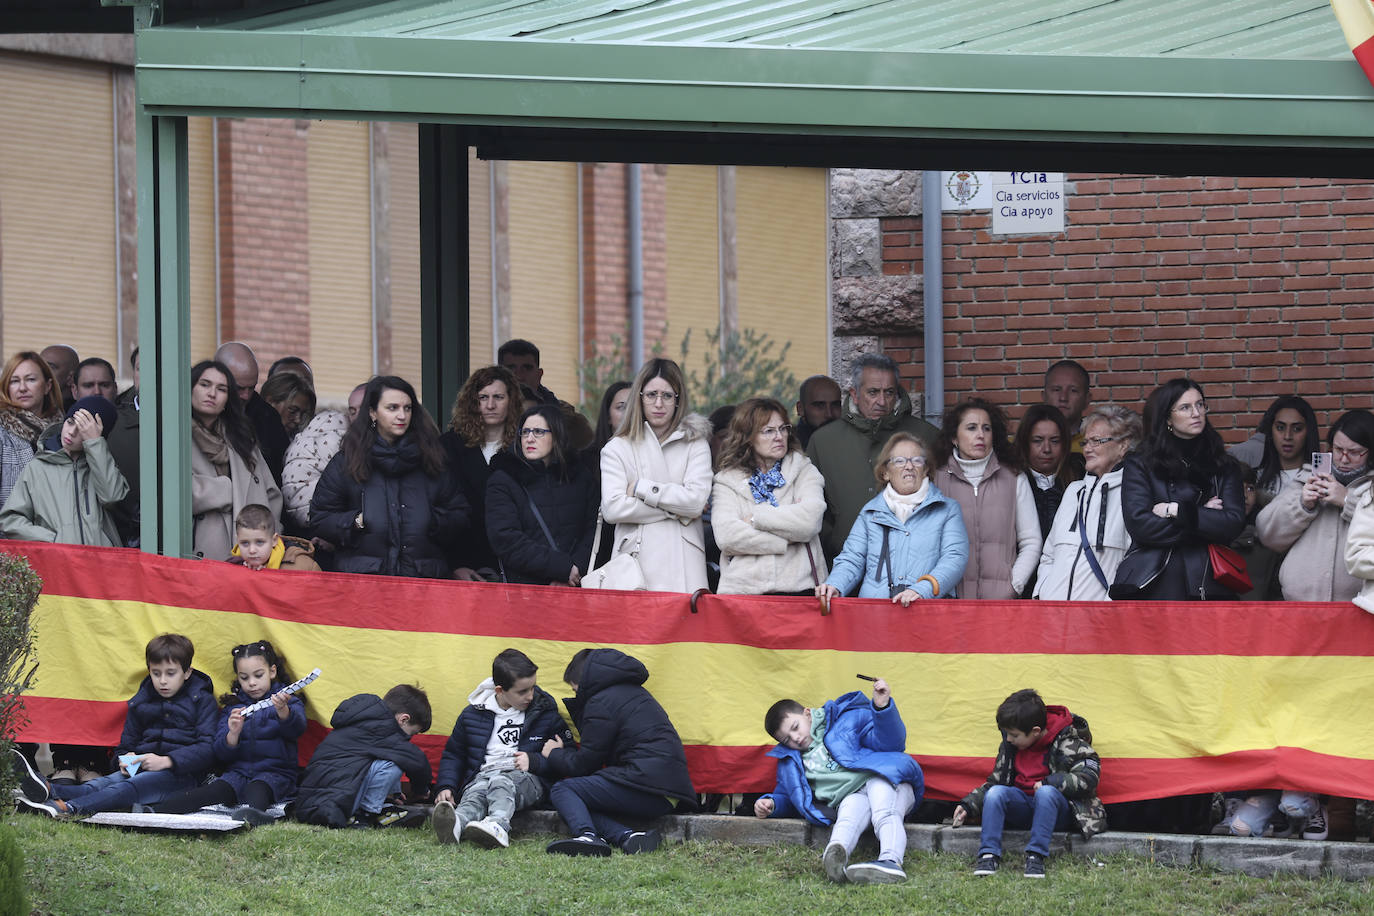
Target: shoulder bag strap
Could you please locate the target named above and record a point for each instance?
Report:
(538, 517)
(1083, 537)
(885, 559)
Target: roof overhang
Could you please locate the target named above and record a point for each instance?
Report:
(540, 94)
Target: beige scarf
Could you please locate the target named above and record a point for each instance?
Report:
(210, 441)
(26, 424)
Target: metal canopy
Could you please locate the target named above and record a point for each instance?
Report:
(1240, 87)
(953, 73)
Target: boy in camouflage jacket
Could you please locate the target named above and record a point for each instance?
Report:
(1045, 778)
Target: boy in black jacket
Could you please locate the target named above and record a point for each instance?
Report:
(165, 748)
(493, 754)
(358, 766)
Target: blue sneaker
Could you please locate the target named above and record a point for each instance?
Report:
(33, 787)
(882, 871)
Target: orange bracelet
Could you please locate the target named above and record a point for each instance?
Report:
(935, 586)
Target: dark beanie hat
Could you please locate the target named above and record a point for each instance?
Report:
(98, 406)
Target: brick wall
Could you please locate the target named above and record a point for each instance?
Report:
(263, 242)
(1254, 287)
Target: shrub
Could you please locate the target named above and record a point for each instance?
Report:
(19, 588)
(13, 900)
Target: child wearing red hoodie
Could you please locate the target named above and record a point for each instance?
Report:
(1045, 778)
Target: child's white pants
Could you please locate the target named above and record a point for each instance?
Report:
(883, 805)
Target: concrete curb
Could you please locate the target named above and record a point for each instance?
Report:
(1258, 858)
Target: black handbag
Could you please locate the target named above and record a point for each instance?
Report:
(1139, 568)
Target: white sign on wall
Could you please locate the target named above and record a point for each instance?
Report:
(1028, 203)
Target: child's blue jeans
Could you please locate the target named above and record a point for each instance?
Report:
(383, 778)
(1008, 806)
(119, 792)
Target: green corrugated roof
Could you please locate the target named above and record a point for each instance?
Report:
(1248, 72)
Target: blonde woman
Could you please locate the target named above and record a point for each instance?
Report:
(766, 506)
(656, 478)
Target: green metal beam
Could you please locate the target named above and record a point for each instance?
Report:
(519, 82)
(444, 320)
(164, 335)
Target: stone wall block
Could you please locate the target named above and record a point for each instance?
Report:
(856, 248)
(874, 192)
(844, 350)
(878, 305)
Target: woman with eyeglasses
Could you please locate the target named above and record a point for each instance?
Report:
(387, 499)
(541, 504)
(977, 468)
(1180, 492)
(766, 506)
(1310, 518)
(1088, 537)
(909, 542)
(656, 478)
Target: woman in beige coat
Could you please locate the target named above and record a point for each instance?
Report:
(766, 506)
(1310, 517)
(656, 478)
(228, 471)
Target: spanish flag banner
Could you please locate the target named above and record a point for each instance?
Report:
(1357, 22)
(1181, 697)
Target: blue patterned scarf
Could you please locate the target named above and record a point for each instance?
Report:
(762, 484)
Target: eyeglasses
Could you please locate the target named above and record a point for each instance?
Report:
(1351, 454)
(902, 461)
(1197, 408)
(768, 432)
(534, 431)
(658, 396)
(1099, 441)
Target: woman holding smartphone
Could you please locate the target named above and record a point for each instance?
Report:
(1310, 518)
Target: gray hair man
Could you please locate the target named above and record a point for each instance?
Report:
(876, 406)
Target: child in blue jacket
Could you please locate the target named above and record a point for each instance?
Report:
(844, 764)
(165, 748)
(260, 749)
(492, 758)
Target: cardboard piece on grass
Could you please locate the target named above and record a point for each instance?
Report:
(200, 822)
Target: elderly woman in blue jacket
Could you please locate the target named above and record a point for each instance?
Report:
(845, 764)
(909, 541)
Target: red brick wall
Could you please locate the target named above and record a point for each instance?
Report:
(605, 255)
(1254, 287)
(263, 241)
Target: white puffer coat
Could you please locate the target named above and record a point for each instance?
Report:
(763, 547)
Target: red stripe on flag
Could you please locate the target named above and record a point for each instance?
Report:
(650, 618)
(1364, 56)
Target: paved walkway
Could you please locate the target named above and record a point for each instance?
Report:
(1252, 857)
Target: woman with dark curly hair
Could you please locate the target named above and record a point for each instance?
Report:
(767, 504)
(485, 420)
(976, 467)
(1180, 492)
(387, 498)
(228, 470)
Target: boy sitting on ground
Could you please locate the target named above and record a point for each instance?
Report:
(1045, 778)
(165, 748)
(844, 764)
(260, 545)
(357, 768)
(493, 754)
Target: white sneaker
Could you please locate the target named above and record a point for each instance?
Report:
(1316, 828)
(488, 833)
(446, 822)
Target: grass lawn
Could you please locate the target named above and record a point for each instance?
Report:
(290, 868)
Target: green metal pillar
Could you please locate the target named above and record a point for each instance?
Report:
(164, 339)
(445, 333)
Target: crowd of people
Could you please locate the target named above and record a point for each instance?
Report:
(856, 496)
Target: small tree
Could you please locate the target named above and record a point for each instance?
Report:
(19, 588)
(744, 367)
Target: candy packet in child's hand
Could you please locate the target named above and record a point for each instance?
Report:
(131, 762)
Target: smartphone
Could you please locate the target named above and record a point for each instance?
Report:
(1321, 463)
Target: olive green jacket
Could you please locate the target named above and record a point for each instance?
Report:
(66, 499)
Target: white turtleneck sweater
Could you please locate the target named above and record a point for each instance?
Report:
(903, 506)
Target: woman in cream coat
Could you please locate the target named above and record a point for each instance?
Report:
(766, 506)
(228, 471)
(656, 478)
